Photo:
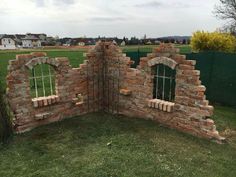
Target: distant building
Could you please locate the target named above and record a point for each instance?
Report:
(43, 37)
(157, 42)
(81, 43)
(7, 42)
(31, 41)
(18, 39)
(122, 43)
(149, 42)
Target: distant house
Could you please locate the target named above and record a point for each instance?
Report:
(7, 42)
(31, 41)
(18, 38)
(68, 42)
(149, 42)
(81, 43)
(43, 37)
(123, 43)
(157, 42)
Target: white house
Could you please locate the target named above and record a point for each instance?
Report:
(81, 43)
(123, 43)
(7, 42)
(31, 42)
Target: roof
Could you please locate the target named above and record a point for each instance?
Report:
(20, 36)
(7, 36)
(30, 38)
(36, 35)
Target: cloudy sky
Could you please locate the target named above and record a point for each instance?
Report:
(107, 17)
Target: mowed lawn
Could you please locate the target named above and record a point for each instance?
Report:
(102, 145)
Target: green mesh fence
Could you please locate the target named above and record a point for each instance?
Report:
(218, 74)
(136, 55)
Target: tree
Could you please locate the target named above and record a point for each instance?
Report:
(227, 11)
(205, 41)
(134, 41)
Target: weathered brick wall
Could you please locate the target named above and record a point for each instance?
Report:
(191, 110)
(107, 83)
(30, 113)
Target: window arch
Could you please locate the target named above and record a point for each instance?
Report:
(42, 81)
(164, 82)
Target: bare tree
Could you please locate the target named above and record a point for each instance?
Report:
(226, 10)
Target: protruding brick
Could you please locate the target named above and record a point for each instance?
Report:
(125, 92)
(39, 54)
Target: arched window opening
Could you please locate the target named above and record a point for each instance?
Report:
(42, 81)
(164, 83)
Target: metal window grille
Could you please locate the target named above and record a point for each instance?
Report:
(164, 83)
(42, 81)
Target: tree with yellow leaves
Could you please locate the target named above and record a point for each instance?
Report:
(215, 41)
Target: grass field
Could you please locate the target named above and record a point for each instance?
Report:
(75, 56)
(102, 145)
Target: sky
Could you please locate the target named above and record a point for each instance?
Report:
(91, 18)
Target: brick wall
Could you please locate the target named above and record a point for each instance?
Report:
(106, 82)
(30, 113)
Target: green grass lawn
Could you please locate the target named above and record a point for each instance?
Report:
(78, 147)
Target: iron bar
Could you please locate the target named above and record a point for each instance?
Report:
(118, 83)
(98, 85)
(36, 86)
(108, 88)
(88, 85)
(44, 93)
(39, 77)
(103, 78)
(170, 90)
(163, 91)
(93, 86)
(50, 80)
(157, 81)
(113, 92)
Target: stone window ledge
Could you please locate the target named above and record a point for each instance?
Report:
(162, 105)
(45, 101)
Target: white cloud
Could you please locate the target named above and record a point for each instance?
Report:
(109, 18)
